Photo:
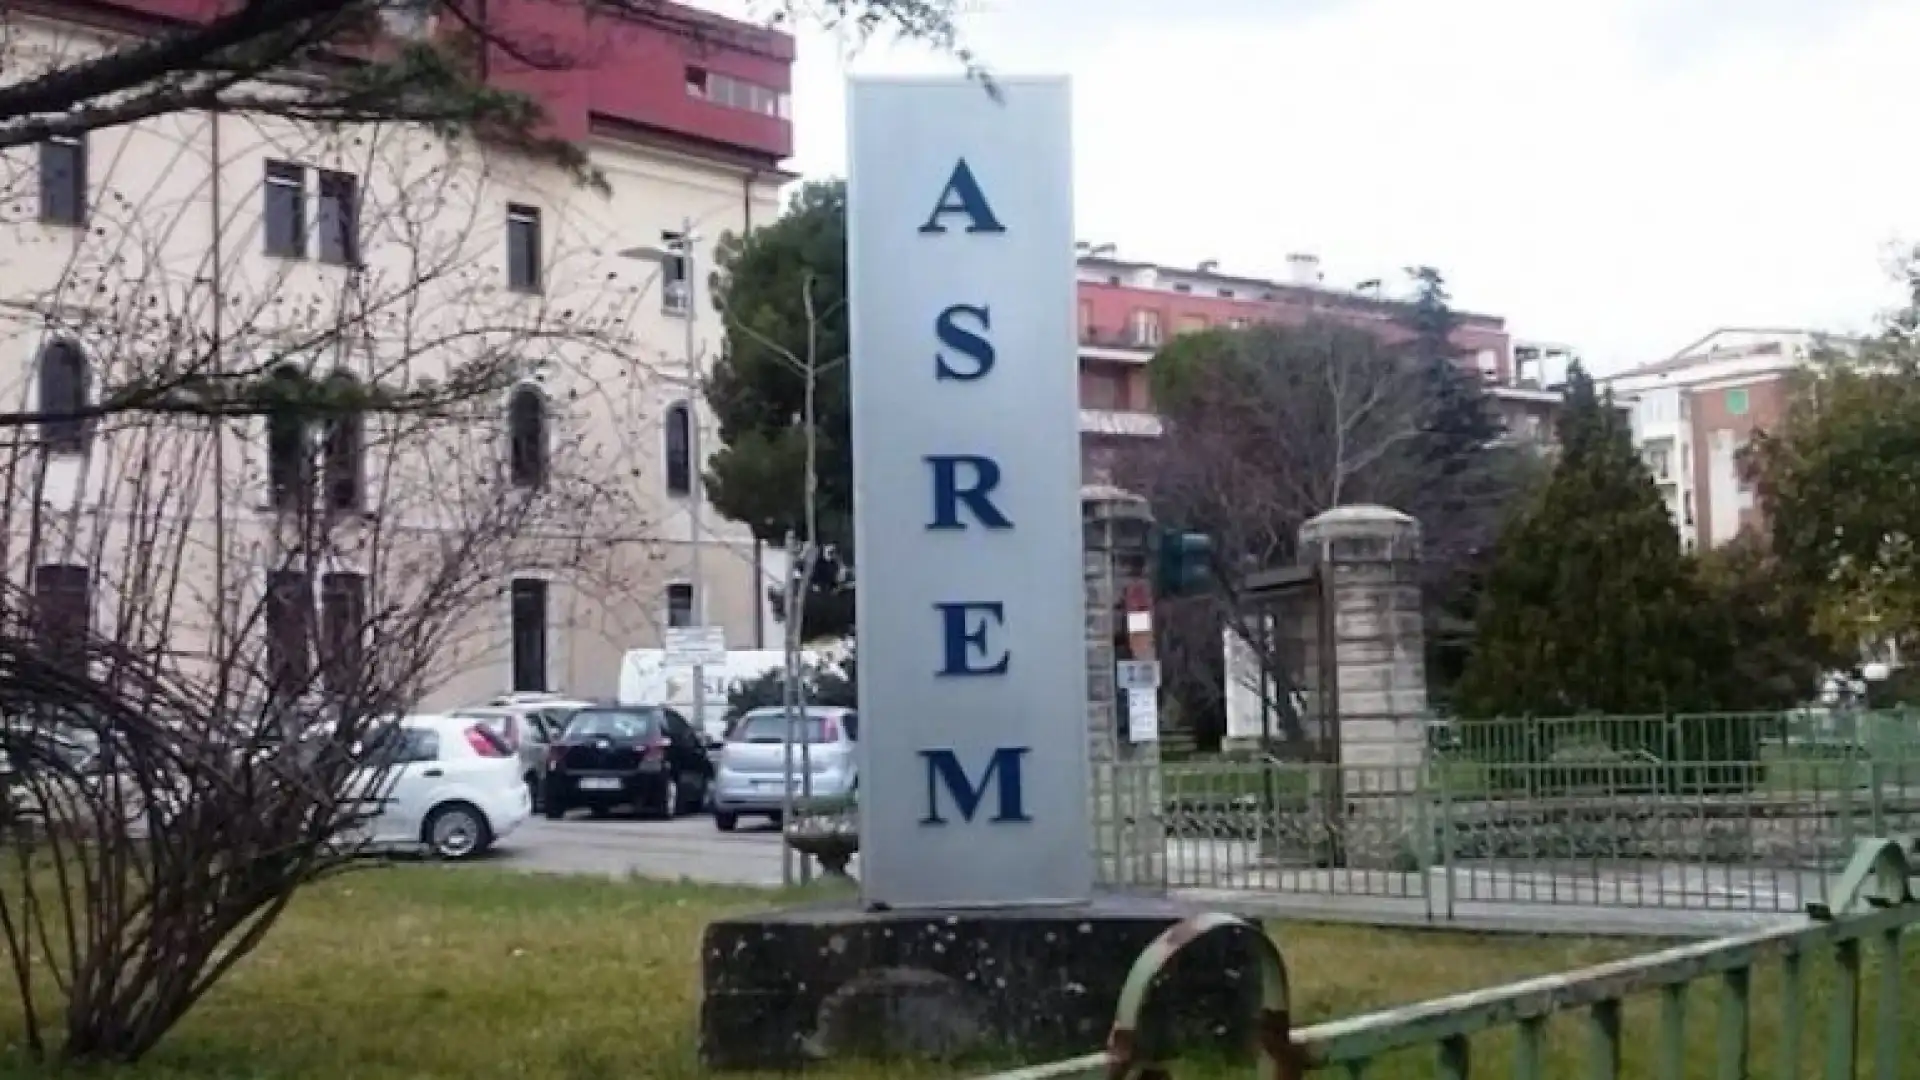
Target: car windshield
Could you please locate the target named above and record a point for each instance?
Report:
(772, 728)
(611, 724)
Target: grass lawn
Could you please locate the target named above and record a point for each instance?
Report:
(420, 972)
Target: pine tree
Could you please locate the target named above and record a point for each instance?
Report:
(1590, 605)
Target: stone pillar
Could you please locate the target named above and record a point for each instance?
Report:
(1369, 557)
(1129, 839)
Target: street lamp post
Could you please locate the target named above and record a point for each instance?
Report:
(681, 250)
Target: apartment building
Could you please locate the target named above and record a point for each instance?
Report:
(1694, 412)
(1128, 309)
(378, 252)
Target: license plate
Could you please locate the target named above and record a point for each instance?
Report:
(599, 783)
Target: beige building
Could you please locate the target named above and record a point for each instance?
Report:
(524, 537)
(1695, 412)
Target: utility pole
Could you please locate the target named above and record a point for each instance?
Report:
(696, 482)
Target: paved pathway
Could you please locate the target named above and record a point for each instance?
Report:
(1633, 899)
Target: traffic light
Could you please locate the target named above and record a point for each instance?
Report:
(1185, 563)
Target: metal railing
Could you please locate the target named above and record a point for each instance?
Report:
(1732, 813)
(1822, 969)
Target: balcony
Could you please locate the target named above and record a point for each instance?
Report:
(1106, 343)
(1117, 422)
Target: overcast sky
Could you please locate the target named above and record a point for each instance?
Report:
(1618, 175)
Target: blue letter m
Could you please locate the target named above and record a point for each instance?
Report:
(944, 770)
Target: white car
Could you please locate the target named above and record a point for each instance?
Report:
(448, 784)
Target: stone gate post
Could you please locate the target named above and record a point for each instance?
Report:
(1370, 556)
(1129, 838)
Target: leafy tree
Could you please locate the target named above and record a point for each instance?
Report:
(783, 290)
(1589, 605)
(1839, 478)
(1776, 655)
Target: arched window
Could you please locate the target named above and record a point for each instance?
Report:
(343, 454)
(63, 396)
(289, 440)
(527, 438)
(679, 449)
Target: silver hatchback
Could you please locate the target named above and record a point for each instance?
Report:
(747, 781)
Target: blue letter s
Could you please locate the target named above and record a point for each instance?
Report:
(963, 341)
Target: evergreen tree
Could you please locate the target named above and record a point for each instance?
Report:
(1590, 605)
(758, 474)
(1459, 420)
(1471, 477)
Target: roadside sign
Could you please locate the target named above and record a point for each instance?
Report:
(1137, 674)
(1143, 716)
(689, 646)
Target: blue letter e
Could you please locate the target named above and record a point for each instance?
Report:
(963, 637)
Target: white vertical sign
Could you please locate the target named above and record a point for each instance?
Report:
(966, 445)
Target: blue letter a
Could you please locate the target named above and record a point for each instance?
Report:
(962, 195)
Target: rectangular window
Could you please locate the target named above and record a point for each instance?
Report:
(62, 609)
(529, 634)
(675, 297)
(343, 620)
(1737, 401)
(289, 617)
(1192, 323)
(339, 218)
(63, 180)
(680, 604)
(342, 460)
(1086, 320)
(286, 210)
(523, 248)
(1146, 327)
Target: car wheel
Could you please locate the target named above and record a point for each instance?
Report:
(670, 798)
(724, 821)
(554, 810)
(456, 831)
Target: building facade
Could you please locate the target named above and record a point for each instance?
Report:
(384, 255)
(1695, 412)
(1128, 309)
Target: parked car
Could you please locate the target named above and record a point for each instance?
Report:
(754, 760)
(644, 756)
(444, 783)
(529, 723)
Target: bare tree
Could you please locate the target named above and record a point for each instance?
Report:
(431, 62)
(1263, 429)
(260, 506)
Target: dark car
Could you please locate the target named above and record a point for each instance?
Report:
(643, 756)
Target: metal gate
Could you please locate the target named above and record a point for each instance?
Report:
(1818, 978)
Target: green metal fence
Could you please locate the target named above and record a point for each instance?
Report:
(1725, 812)
(1834, 987)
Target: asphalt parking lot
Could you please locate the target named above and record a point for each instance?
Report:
(688, 847)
